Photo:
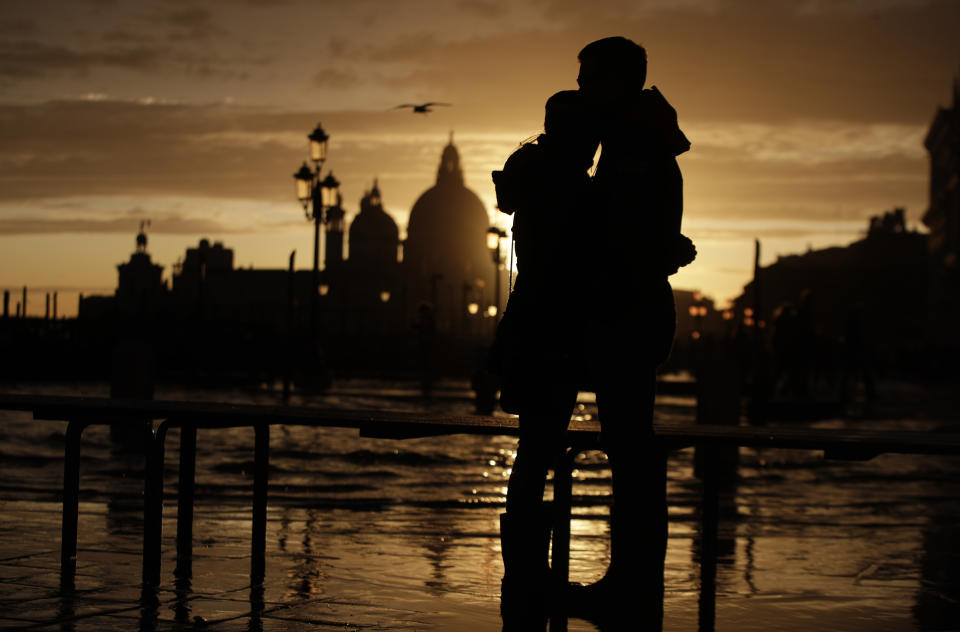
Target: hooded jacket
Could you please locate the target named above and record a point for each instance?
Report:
(640, 192)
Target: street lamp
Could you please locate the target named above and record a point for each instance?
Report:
(494, 235)
(304, 178)
(318, 145)
(317, 195)
(329, 190)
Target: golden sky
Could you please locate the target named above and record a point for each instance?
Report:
(806, 117)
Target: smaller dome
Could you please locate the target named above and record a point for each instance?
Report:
(373, 233)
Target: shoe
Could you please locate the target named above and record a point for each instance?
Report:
(525, 544)
(632, 588)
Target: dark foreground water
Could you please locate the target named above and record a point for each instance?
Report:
(368, 534)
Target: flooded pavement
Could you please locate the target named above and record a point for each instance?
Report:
(370, 534)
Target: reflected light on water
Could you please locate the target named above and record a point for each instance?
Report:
(362, 531)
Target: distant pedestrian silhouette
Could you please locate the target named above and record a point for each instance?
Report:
(627, 221)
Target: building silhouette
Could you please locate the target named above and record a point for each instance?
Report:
(445, 260)
(881, 280)
(364, 295)
(374, 239)
(369, 300)
(943, 219)
(141, 293)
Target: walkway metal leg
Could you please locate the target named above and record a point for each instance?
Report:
(261, 477)
(153, 504)
(185, 499)
(71, 497)
(562, 500)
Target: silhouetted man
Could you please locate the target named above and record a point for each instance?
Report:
(639, 208)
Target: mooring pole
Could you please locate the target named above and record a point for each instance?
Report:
(261, 475)
(71, 497)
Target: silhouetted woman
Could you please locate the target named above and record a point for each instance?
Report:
(546, 187)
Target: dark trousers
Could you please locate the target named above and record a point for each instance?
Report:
(625, 398)
(637, 462)
(543, 420)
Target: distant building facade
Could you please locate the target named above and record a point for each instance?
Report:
(943, 219)
(881, 279)
(141, 291)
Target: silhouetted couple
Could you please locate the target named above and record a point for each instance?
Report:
(592, 309)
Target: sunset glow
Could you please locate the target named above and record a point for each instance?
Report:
(805, 119)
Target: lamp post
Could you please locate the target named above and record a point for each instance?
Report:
(494, 235)
(316, 195)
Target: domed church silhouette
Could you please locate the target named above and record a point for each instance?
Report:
(445, 259)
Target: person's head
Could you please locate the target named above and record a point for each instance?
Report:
(568, 124)
(612, 70)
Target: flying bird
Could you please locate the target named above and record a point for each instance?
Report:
(421, 108)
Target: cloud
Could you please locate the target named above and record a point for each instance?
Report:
(772, 228)
(814, 170)
(335, 78)
(172, 224)
(192, 24)
(858, 7)
(190, 18)
(409, 46)
(734, 61)
(17, 26)
(809, 142)
(489, 9)
(120, 35)
(27, 59)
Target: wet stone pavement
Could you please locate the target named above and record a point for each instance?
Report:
(319, 577)
(367, 534)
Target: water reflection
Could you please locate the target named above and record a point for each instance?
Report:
(306, 576)
(437, 545)
(66, 609)
(182, 591)
(717, 469)
(256, 608)
(938, 596)
(384, 524)
(149, 608)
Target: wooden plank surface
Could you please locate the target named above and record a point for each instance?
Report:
(404, 424)
(841, 441)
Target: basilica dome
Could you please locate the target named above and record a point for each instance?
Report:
(447, 230)
(445, 258)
